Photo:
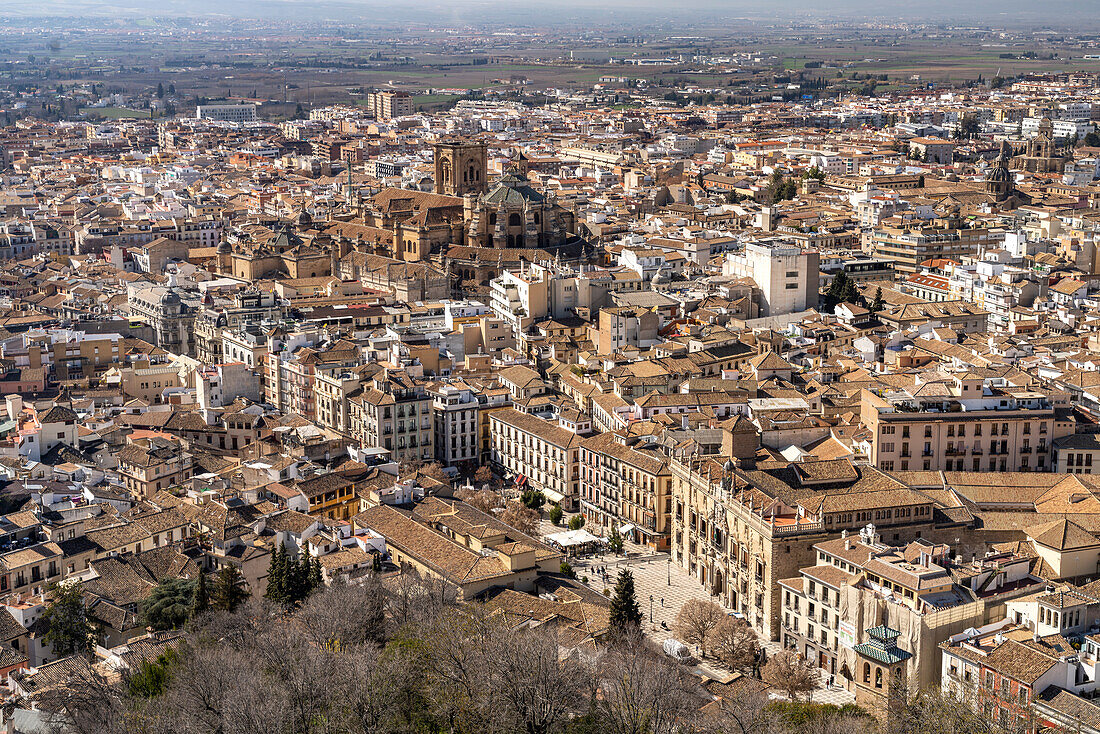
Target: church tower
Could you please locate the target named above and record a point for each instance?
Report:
(461, 168)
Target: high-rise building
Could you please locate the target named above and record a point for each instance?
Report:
(226, 112)
(788, 276)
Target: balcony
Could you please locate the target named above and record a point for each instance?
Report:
(1025, 449)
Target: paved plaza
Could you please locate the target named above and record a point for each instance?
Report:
(662, 588)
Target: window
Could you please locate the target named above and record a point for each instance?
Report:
(791, 286)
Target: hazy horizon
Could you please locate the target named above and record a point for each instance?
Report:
(988, 13)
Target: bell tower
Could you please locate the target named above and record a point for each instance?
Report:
(461, 167)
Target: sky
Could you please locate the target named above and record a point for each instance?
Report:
(997, 13)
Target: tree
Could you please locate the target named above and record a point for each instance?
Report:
(556, 514)
(790, 673)
(483, 499)
(435, 471)
(695, 621)
(152, 676)
(878, 304)
(68, 629)
(316, 577)
(576, 522)
(843, 290)
(615, 541)
(297, 580)
(522, 518)
(641, 691)
(625, 612)
(276, 576)
(1092, 140)
(483, 475)
(533, 499)
(345, 615)
(168, 606)
(567, 570)
(200, 602)
(160, 91)
(229, 590)
(734, 643)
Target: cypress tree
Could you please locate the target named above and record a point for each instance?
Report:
(200, 600)
(276, 576)
(315, 578)
(229, 592)
(625, 612)
(297, 580)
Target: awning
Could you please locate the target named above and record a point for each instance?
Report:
(552, 496)
(624, 529)
(570, 538)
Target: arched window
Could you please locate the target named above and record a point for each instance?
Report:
(514, 220)
(538, 218)
(866, 672)
(878, 677)
(492, 219)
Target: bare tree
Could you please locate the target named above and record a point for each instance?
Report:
(696, 620)
(523, 519)
(483, 475)
(346, 614)
(88, 704)
(790, 673)
(413, 600)
(435, 471)
(482, 499)
(741, 708)
(640, 691)
(534, 689)
(734, 643)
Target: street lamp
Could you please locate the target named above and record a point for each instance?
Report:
(651, 608)
(668, 565)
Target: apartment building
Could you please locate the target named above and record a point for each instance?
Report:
(908, 242)
(148, 465)
(787, 276)
(626, 484)
(965, 423)
(66, 353)
(238, 113)
(333, 386)
(919, 588)
(536, 453)
(625, 326)
(454, 416)
(290, 375)
(388, 105)
(395, 413)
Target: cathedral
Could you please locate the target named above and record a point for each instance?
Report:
(513, 214)
(1040, 154)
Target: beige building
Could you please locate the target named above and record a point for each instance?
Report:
(148, 465)
(536, 453)
(739, 532)
(964, 424)
(626, 483)
(908, 243)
